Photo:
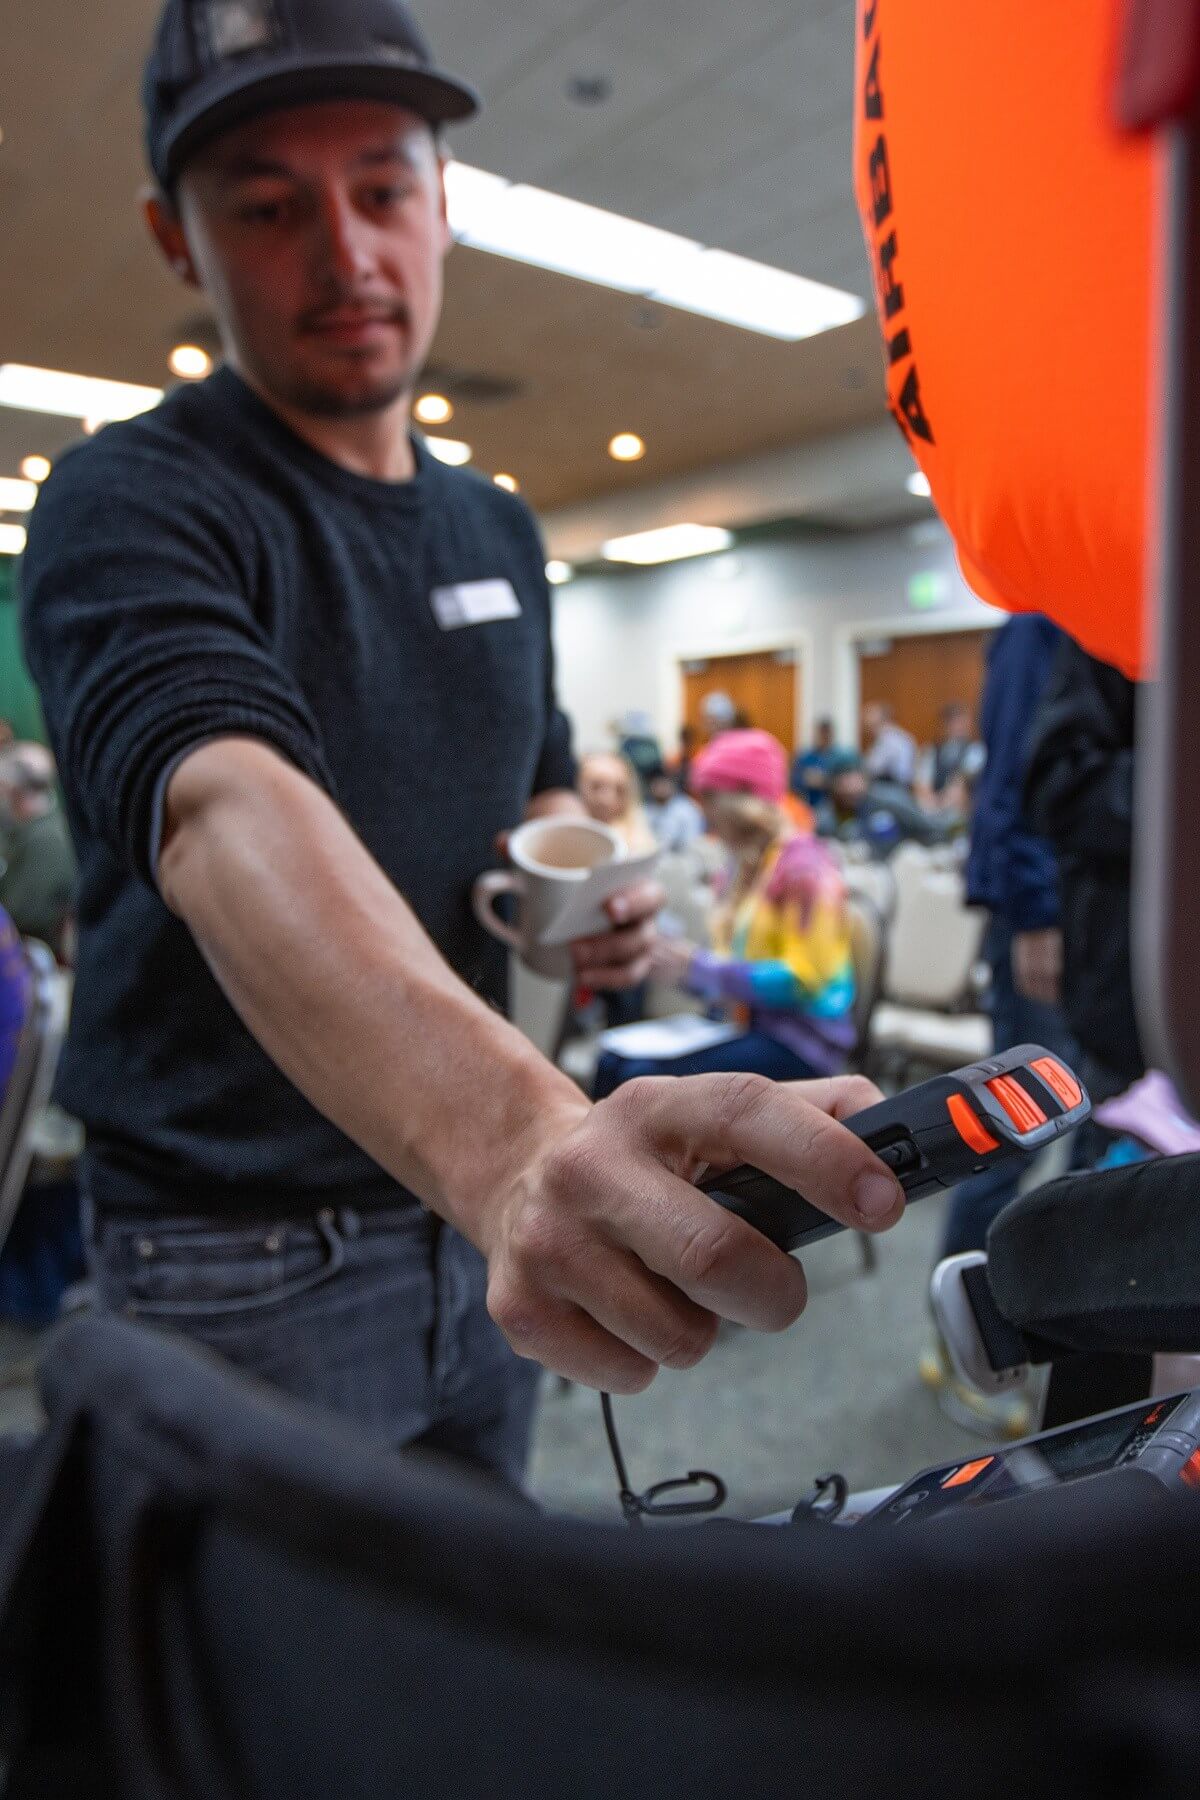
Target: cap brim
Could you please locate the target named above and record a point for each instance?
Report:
(244, 94)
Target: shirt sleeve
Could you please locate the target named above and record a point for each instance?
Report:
(138, 593)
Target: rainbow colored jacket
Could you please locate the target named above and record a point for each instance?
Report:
(783, 951)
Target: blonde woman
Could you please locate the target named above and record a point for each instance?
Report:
(608, 787)
(780, 950)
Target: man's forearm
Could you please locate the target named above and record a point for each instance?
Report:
(329, 969)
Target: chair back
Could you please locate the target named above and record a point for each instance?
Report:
(538, 1007)
(935, 940)
(32, 1077)
(875, 880)
(868, 950)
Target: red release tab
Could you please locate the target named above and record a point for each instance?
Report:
(1060, 1081)
(968, 1473)
(1190, 1472)
(969, 1126)
(1024, 1111)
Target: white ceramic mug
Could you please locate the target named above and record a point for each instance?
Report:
(554, 859)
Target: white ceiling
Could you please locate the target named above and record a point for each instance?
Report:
(730, 123)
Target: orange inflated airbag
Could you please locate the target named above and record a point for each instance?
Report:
(1011, 230)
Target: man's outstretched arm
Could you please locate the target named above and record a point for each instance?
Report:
(605, 1262)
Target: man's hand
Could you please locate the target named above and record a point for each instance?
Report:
(607, 1263)
(1037, 965)
(621, 958)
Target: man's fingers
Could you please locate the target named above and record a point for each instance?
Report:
(614, 978)
(638, 1205)
(644, 1311)
(644, 900)
(789, 1130)
(616, 947)
(563, 1338)
(717, 1260)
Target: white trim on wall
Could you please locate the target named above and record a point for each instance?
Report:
(847, 685)
(670, 682)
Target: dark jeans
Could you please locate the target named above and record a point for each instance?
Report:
(754, 1053)
(379, 1316)
(1015, 1020)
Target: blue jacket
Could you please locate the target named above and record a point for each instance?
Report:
(1011, 870)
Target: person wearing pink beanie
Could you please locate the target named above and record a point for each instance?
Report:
(780, 952)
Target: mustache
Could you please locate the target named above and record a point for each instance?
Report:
(390, 307)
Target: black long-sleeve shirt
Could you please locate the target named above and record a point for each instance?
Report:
(202, 572)
(1079, 794)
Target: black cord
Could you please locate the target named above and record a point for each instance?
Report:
(650, 1505)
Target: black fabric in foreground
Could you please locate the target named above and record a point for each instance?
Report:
(269, 1608)
(1107, 1261)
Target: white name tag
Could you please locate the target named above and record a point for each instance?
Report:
(474, 603)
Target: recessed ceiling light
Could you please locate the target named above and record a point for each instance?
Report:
(12, 540)
(189, 362)
(433, 409)
(671, 544)
(532, 225)
(449, 450)
(627, 446)
(16, 496)
(918, 484)
(509, 483)
(558, 573)
(73, 396)
(36, 468)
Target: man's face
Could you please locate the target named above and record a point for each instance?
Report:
(874, 720)
(319, 234)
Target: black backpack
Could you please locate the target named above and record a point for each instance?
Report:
(209, 1591)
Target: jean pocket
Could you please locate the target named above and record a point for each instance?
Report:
(195, 1271)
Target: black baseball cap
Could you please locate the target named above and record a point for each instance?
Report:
(216, 63)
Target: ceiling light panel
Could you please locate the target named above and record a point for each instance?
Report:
(770, 301)
(673, 543)
(531, 225)
(12, 540)
(449, 450)
(73, 396)
(16, 496)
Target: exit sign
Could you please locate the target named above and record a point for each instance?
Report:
(928, 591)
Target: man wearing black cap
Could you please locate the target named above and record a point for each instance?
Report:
(298, 677)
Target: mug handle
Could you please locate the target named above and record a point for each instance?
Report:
(487, 890)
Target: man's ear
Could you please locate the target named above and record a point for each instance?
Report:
(167, 231)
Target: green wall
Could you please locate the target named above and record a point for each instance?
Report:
(18, 696)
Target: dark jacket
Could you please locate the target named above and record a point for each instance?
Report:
(1080, 794)
(1011, 870)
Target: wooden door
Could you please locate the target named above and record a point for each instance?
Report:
(762, 685)
(917, 676)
